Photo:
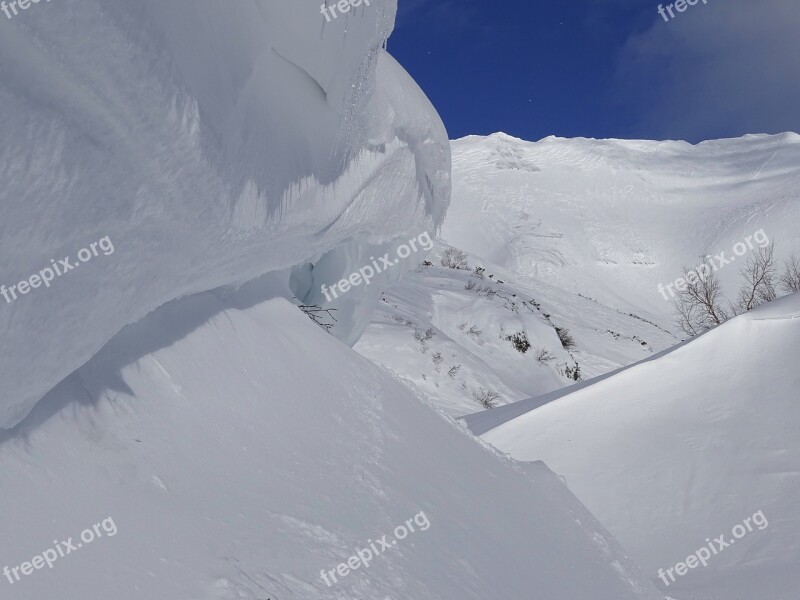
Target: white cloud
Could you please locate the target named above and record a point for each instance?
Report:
(723, 68)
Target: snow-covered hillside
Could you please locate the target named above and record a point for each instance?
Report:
(501, 335)
(683, 447)
(611, 219)
(580, 233)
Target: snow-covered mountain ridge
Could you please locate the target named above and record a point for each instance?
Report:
(611, 219)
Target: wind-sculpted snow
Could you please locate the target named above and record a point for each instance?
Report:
(212, 142)
(240, 451)
(682, 447)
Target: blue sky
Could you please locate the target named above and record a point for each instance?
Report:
(605, 68)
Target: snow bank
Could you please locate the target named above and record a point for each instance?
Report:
(685, 446)
(240, 451)
(211, 142)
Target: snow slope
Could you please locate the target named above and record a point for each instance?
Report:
(612, 219)
(683, 447)
(240, 450)
(212, 142)
(580, 232)
(470, 348)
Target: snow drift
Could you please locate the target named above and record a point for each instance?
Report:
(683, 447)
(240, 450)
(212, 142)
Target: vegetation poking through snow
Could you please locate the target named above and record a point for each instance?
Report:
(485, 397)
(543, 355)
(566, 338)
(320, 316)
(453, 258)
(520, 341)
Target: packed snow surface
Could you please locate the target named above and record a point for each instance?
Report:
(240, 450)
(684, 447)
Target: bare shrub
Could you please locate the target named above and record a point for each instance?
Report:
(543, 355)
(479, 271)
(423, 337)
(470, 285)
(486, 397)
(571, 372)
(567, 341)
(485, 289)
(473, 330)
(454, 370)
(453, 258)
(520, 341)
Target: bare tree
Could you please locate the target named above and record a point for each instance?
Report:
(790, 280)
(759, 275)
(454, 258)
(698, 303)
